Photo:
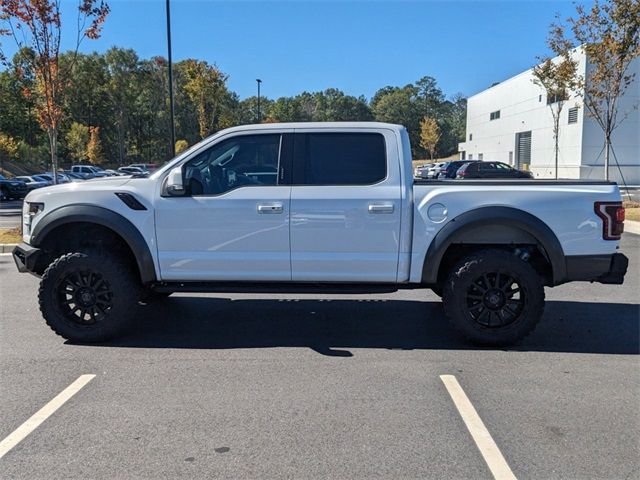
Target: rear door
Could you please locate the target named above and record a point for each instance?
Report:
(345, 206)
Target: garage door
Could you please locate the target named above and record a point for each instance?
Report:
(523, 148)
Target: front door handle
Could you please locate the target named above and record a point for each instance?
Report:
(275, 207)
(381, 208)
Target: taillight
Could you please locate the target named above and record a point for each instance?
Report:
(612, 215)
(462, 174)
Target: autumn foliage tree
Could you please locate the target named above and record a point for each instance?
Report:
(94, 147)
(609, 34)
(429, 135)
(205, 86)
(36, 25)
(558, 79)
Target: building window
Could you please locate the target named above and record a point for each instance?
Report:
(539, 98)
(494, 115)
(480, 156)
(471, 156)
(510, 158)
(557, 97)
(470, 136)
(573, 115)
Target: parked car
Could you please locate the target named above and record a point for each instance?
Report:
(338, 214)
(145, 166)
(450, 169)
(433, 171)
(11, 188)
(88, 171)
(132, 170)
(33, 182)
(112, 173)
(417, 172)
(62, 178)
(75, 177)
(490, 170)
(48, 180)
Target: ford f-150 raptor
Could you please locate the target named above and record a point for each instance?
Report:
(315, 207)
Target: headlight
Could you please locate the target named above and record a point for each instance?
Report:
(30, 210)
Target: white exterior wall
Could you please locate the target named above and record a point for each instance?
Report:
(523, 107)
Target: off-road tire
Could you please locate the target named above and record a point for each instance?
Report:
(114, 289)
(463, 290)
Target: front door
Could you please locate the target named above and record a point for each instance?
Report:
(233, 222)
(345, 207)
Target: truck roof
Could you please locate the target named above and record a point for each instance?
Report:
(327, 125)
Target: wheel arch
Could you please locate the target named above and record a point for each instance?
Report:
(93, 215)
(489, 227)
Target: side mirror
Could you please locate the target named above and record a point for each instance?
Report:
(174, 186)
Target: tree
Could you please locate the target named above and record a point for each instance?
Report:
(609, 35)
(205, 87)
(77, 139)
(429, 135)
(94, 147)
(36, 25)
(181, 146)
(557, 78)
(8, 149)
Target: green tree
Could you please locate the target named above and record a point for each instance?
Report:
(77, 140)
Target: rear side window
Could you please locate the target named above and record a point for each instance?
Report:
(341, 159)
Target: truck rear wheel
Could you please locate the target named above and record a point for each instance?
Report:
(493, 297)
(88, 297)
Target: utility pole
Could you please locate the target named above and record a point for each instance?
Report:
(258, 81)
(171, 113)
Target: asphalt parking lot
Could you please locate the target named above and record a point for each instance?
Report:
(249, 386)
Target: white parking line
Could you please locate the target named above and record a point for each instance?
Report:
(41, 415)
(488, 448)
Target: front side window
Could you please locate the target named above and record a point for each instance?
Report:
(248, 160)
(343, 159)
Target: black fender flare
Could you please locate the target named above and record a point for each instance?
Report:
(107, 218)
(500, 225)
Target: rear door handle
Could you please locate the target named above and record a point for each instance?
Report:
(275, 207)
(381, 208)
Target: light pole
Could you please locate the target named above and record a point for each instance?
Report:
(258, 81)
(171, 113)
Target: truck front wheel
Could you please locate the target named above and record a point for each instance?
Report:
(493, 297)
(88, 297)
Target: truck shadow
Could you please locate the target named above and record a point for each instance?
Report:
(333, 327)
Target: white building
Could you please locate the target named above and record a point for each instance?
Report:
(512, 122)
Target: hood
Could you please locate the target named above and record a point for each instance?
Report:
(106, 183)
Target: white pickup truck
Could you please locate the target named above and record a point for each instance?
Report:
(315, 207)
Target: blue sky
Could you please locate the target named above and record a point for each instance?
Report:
(356, 46)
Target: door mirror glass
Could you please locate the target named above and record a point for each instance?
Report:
(175, 186)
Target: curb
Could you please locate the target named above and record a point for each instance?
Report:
(631, 226)
(7, 247)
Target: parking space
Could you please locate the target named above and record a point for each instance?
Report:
(248, 386)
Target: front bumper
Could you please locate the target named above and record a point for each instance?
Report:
(609, 269)
(26, 258)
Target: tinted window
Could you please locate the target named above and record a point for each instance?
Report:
(487, 167)
(344, 159)
(249, 160)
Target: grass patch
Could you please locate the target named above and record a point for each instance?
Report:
(632, 214)
(10, 235)
(632, 210)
